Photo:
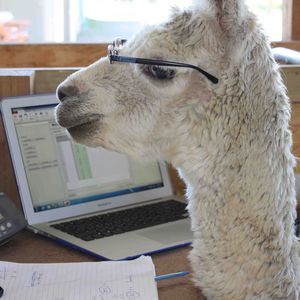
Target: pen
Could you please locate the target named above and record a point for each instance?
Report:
(171, 275)
(1, 291)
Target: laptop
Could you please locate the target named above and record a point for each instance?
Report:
(97, 201)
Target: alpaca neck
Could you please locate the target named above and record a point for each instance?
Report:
(245, 197)
(242, 176)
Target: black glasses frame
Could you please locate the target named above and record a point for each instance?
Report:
(113, 55)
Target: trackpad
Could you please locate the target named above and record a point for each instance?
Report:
(170, 233)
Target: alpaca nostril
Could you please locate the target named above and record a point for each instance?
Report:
(64, 92)
(60, 94)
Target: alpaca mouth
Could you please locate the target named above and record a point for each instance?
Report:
(88, 127)
(83, 128)
(72, 120)
(85, 121)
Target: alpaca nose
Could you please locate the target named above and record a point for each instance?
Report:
(63, 92)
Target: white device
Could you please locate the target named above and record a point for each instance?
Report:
(60, 181)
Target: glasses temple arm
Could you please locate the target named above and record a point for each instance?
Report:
(137, 60)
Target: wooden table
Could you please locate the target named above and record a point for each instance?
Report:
(27, 247)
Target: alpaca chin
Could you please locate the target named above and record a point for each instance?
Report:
(88, 134)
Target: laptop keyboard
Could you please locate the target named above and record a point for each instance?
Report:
(109, 224)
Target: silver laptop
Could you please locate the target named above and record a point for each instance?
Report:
(91, 199)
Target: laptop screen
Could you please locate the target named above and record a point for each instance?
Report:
(62, 173)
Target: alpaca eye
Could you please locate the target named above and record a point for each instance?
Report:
(159, 72)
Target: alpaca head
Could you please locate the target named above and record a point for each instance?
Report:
(144, 110)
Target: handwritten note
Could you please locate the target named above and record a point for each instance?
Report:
(117, 280)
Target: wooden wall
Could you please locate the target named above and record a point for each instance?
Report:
(50, 55)
(67, 55)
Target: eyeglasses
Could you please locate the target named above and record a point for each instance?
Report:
(113, 55)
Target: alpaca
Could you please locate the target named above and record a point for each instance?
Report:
(230, 141)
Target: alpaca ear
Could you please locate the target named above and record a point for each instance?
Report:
(231, 14)
(235, 23)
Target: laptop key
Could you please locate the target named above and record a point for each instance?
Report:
(87, 238)
(98, 235)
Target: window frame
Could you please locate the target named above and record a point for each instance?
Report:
(291, 20)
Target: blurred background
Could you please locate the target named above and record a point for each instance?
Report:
(97, 21)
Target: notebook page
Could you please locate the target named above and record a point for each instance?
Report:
(113, 280)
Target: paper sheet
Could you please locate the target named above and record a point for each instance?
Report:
(114, 280)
